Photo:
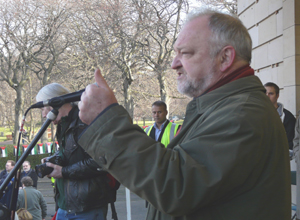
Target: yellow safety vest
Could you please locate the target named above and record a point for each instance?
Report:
(53, 181)
(169, 133)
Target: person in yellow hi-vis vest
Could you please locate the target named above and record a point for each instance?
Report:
(53, 181)
(162, 130)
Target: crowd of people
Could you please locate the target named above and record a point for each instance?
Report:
(35, 202)
(228, 160)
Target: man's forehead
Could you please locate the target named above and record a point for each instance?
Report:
(157, 108)
(270, 89)
(191, 31)
(183, 39)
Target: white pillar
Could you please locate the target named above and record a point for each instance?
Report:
(128, 204)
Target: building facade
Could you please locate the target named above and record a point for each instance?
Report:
(274, 26)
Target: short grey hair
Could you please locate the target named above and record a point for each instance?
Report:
(50, 91)
(227, 29)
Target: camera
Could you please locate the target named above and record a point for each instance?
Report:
(42, 169)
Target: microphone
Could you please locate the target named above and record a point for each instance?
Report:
(60, 100)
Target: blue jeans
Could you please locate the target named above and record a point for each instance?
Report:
(95, 214)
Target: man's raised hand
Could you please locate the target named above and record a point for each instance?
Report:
(95, 99)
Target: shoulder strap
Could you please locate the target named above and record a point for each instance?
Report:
(25, 196)
(114, 215)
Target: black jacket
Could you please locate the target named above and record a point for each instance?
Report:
(3, 174)
(33, 176)
(289, 123)
(84, 182)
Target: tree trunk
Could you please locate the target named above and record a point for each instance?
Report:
(163, 89)
(18, 113)
(31, 115)
(128, 101)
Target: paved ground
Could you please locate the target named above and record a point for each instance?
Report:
(138, 210)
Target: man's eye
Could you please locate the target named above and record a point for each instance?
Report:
(186, 55)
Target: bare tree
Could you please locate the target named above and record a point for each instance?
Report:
(23, 41)
(227, 5)
(161, 23)
(54, 22)
(111, 33)
(7, 98)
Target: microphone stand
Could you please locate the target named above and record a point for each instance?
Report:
(15, 188)
(51, 116)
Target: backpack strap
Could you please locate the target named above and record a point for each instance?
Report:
(25, 196)
(113, 211)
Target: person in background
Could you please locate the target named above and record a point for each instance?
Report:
(80, 182)
(6, 198)
(27, 171)
(36, 203)
(287, 118)
(10, 164)
(162, 130)
(229, 160)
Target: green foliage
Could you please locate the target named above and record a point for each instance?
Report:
(5, 130)
(33, 159)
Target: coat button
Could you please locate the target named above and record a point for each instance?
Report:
(102, 160)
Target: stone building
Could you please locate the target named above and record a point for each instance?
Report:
(274, 26)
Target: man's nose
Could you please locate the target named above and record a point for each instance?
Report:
(176, 63)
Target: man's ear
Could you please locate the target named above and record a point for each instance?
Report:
(227, 56)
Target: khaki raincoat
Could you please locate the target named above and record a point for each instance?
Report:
(230, 160)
